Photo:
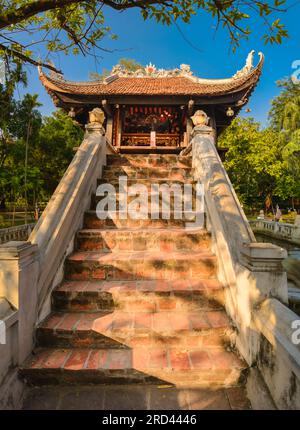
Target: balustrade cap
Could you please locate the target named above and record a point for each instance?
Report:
(16, 249)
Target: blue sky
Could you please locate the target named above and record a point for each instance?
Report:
(167, 48)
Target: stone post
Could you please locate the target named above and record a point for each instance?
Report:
(96, 120)
(205, 131)
(201, 126)
(264, 260)
(19, 268)
(296, 230)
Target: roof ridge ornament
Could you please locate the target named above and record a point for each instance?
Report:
(248, 66)
(52, 74)
(151, 71)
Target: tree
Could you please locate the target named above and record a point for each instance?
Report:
(55, 149)
(255, 164)
(285, 105)
(79, 25)
(127, 63)
(49, 144)
(8, 109)
(8, 120)
(285, 119)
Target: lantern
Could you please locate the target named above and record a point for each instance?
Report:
(230, 112)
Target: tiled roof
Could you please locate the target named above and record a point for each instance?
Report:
(148, 85)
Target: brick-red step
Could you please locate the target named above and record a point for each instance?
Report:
(164, 240)
(196, 367)
(91, 221)
(121, 329)
(149, 161)
(138, 295)
(167, 173)
(140, 265)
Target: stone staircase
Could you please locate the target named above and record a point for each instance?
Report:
(140, 302)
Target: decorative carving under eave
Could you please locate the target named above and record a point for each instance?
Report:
(54, 98)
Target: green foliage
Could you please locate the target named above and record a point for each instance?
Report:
(50, 150)
(9, 109)
(126, 63)
(265, 164)
(78, 26)
(129, 64)
(285, 119)
(256, 165)
(285, 105)
(57, 138)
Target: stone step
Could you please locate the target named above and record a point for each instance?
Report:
(149, 182)
(154, 198)
(194, 368)
(151, 296)
(121, 329)
(154, 160)
(91, 221)
(150, 397)
(165, 240)
(139, 265)
(111, 173)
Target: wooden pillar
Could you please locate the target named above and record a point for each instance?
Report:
(109, 130)
(117, 126)
(119, 129)
(189, 122)
(109, 121)
(189, 128)
(213, 124)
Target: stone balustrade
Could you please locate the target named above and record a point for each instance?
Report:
(279, 230)
(256, 291)
(20, 232)
(29, 270)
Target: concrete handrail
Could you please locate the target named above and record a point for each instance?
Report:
(234, 240)
(219, 193)
(63, 215)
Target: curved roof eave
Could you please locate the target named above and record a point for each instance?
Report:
(181, 85)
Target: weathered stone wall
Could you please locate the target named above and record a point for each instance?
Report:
(9, 398)
(278, 358)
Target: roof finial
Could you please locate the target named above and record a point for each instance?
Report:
(248, 66)
(249, 60)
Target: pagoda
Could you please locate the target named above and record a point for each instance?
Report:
(149, 110)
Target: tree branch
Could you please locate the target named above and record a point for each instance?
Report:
(35, 7)
(26, 58)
